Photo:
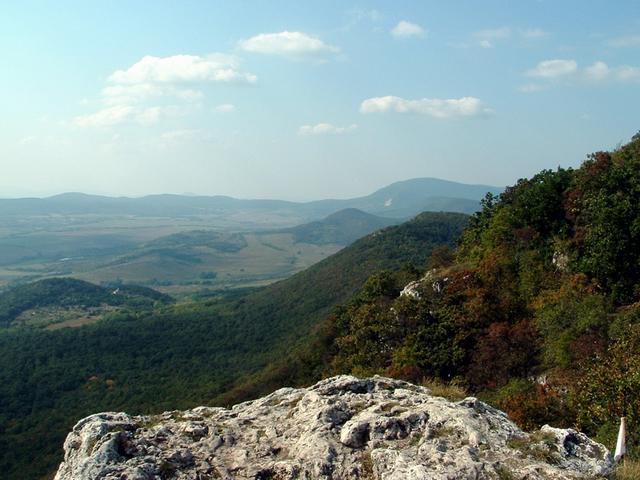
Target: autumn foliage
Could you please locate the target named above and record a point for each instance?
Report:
(535, 308)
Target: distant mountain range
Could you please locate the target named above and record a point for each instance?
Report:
(399, 200)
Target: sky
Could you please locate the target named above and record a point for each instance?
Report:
(303, 100)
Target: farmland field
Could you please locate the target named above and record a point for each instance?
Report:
(149, 251)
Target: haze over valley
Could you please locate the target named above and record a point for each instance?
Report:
(181, 244)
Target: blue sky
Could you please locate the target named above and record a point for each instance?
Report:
(305, 100)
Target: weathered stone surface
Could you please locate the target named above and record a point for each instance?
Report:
(340, 428)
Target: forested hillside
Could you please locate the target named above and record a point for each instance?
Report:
(342, 227)
(537, 310)
(69, 293)
(184, 355)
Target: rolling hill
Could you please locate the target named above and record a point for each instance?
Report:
(190, 260)
(210, 259)
(342, 228)
(34, 303)
(182, 355)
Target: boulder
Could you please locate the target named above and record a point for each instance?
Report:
(340, 428)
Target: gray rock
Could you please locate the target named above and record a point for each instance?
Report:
(340, 428)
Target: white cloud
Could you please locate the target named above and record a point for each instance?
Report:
(406, 29)
(569, 71)
(434, 107)
(130, 94)
(183, 69)
(150, 115)
(288, 44)
(627, 73)
(138, 94)
(533, 33)
(625, 42)
(118, 114)
(325, 129)
(225, 108)
(494, 33)
(490, 37)
(553, 68)
(531, 88)
(105, 117)
(598, 71)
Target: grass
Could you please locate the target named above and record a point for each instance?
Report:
(441, 431)
(451, 390)
(367, 466)
(628, 470)
(55, 317)
(415, 439)
(538, 445)
(504, 473)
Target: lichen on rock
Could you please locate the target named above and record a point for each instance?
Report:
(340, 428)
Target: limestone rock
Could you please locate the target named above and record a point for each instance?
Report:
(340, 428)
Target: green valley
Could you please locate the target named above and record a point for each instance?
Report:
(186, 354)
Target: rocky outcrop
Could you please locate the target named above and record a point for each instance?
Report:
(340, 428)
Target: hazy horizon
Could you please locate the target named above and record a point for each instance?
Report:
(192, 194)
(307, 101)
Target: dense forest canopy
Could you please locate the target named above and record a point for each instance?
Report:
(537, 310)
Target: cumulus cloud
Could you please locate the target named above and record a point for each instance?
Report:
(406, 29)
(433, 107)
(598, 71)
(553, 68)
(183, 69)
(139, 94)
(569, 72)
(325, 129)
(288, 44)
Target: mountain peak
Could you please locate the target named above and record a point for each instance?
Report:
(349, 214)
